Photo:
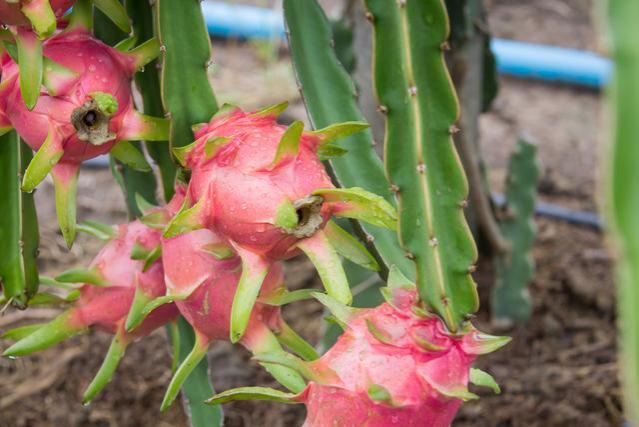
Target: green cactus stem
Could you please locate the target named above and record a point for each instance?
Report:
(19, 236)
(186, 93)
(514, 268)
(417, 97)
(623, 197)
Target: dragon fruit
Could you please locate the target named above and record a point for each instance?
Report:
(395, 364)
(85, 109)
(263, 187)
(126, 271)
(202, 274)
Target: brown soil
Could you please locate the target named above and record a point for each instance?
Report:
(560, 368)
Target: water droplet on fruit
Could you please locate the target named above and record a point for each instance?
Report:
(92, 68)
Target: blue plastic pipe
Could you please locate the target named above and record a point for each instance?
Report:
(551, 63)
(514, 58)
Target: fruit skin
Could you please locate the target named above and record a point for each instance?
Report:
(243, 165)
(392, 367)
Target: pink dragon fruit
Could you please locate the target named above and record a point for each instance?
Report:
(394, 365)
(263, 187)
(85, 109)
(202, 274)
(127, 272)
(39, 14)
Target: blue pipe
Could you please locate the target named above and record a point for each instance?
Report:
(239, 21)
(551, 63)
(513, 57)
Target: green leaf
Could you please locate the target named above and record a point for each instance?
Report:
(20, 332)
(108, 367)
(254, 270)
(252, 393)
(378, 393)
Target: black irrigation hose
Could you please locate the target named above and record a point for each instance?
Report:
(550, 210)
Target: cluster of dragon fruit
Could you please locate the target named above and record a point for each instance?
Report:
(257, 195)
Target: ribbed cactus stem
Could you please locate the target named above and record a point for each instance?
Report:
(514, 268)
(418, 99)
